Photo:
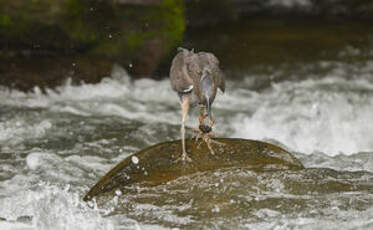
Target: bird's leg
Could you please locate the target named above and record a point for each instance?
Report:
(185, 109)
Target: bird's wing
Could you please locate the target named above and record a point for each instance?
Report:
(213, 63)
(181, 77)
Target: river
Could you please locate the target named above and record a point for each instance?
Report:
(55, 146)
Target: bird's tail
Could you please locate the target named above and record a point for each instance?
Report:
(181, 49)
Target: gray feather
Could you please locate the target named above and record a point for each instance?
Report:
(187, 70)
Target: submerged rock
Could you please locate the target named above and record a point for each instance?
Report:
(158, 164)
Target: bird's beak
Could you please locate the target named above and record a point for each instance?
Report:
(207, 88)
(208, 108)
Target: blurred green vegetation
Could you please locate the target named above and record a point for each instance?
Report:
(104, 28)
(50, 40)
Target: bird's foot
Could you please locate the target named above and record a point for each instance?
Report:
(183, 158)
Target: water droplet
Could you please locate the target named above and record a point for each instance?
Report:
(216, 209)
(118, 192)
(135, 160)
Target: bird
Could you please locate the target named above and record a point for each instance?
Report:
(195, 77)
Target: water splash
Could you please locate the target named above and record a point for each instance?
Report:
(50, 207)
(74, 134)
(330, 115)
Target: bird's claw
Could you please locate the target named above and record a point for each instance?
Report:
(183, 158)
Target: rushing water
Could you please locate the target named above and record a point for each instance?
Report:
(55, 146)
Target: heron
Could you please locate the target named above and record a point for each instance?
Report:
(196, 77)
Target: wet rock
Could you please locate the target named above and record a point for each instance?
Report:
(26, 73)
(158, 164)
(231, 195)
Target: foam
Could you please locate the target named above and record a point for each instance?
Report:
(331, 115)
(342, 219)
(51, 207)
(16, 130)
(66, 137)
(290, 3)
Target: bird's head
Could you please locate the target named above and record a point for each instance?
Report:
(208, 89)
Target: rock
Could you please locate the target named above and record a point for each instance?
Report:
(26, 73)
(157, 164)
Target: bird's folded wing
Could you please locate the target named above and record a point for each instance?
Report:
(181, 79)
(213, 64)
